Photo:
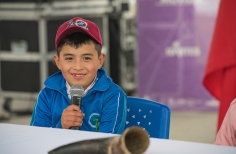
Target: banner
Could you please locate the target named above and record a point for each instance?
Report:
(174, 37)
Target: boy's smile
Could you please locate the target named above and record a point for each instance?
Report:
(78, 76)
(79, 66)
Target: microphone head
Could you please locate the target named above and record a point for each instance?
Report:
(77, 90)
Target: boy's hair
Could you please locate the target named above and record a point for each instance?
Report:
(76, 40)
(66, 33)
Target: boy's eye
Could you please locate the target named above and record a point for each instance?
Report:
(87, 58)
(68, 58)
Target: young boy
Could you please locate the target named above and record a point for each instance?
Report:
(79, 59)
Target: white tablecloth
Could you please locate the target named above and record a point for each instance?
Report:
(22, 139)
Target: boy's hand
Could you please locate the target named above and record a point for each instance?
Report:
(71, 116)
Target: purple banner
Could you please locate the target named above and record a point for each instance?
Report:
(174, 37)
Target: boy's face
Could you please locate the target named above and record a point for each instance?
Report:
(79, 66)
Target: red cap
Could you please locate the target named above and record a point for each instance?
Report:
(78, 25)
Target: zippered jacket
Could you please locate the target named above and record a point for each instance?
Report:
(104, 105)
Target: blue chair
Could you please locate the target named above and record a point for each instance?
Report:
(153, 116)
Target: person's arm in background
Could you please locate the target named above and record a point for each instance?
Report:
(227, 132)
(113, 117)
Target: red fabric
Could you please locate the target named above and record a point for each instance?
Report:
(78, 24)
(220, 73)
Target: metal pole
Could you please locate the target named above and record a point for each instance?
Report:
(43, 51)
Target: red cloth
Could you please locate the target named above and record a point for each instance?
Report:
(220, 73)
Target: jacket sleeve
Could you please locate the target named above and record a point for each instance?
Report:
(227, 132)
(113, 116)
(41, 115)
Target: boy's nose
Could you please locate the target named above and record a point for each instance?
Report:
(78, 65)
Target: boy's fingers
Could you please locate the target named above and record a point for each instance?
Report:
(72, 116)
(75, 119)
(73, 107)
(72, 121)
(73, 113)
(77, 123)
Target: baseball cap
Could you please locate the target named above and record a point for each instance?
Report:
(78, 24)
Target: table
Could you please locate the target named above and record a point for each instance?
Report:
(25, 139)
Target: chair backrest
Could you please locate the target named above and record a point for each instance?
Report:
(153, 116)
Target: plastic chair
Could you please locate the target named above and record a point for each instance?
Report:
(153, 116)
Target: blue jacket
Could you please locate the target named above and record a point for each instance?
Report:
(104, 105)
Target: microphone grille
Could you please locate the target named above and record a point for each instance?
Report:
(76, 90)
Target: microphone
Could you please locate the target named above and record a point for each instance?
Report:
(76, 93)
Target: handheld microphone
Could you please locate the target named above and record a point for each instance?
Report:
(76, 93)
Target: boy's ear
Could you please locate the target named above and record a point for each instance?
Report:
(56, 59)
(101, 58)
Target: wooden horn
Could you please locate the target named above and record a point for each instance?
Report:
(134, 140)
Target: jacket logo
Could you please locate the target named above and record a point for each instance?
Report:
(94, 120)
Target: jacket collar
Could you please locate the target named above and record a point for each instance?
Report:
(57, 82)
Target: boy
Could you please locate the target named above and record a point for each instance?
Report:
(79, 59)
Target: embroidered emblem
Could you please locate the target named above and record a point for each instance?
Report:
(79, 23)
(71, 23)
(82, 24)
(94, 120)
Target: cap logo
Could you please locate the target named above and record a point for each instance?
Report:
(79, 23)
(82, 24)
